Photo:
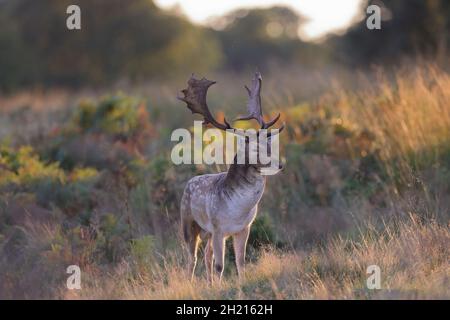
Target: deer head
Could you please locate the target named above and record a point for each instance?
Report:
(195, 98)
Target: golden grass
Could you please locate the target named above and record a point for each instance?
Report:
(411, 121)
(413, 258)
(409, 117)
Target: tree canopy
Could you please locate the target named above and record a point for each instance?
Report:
(137, 40)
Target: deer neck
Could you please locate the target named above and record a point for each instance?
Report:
(242, 180)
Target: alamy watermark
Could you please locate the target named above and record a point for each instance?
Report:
(73, 21)
(236, 146)
(74, 280)
(374, 279)
(373, 22)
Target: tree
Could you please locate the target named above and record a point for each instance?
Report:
(131, 39)
(414, 27)
(251, 38)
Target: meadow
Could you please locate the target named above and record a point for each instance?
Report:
(86, 179)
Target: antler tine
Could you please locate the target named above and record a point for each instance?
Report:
(254, 103)
(267, 125)
(195, 98)
(279, 130)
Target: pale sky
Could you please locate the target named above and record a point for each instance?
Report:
(323, 15)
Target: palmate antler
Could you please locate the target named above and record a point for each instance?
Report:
(254, 104)
(195, 98)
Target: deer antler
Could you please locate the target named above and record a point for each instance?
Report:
(254, 101)
(195, 98)
(254, 104)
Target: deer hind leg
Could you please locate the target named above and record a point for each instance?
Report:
(218, 244)
(239, 246)
(209, 259)
(191, 232)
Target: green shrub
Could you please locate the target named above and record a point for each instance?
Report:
(110, 134)
(22, 170)
(142, 250)
(117, 115)
(262, 233)
(113, 238)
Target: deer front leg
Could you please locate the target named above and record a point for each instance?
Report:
(209, 259)
(218, 243)
(239, 245)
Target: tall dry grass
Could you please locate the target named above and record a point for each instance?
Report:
(412, 256)
(409, 116)
(367, 182)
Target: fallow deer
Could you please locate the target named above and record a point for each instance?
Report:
(216, 206)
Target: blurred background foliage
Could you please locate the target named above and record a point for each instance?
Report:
(409, 29)
(135, 40)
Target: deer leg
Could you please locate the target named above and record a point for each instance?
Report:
(218, 243)
(209, 259)
(193, 248)
(239, 246)
(193, 242)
